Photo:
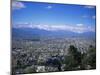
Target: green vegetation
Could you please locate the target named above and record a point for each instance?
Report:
(76, 60)
(92, 57)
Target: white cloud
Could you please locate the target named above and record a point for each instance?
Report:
(89, 17)
(78, 28)
(93, 17)
(79, 24)
(17, 5)
(49, 7)
(89, 6)
(85, 16)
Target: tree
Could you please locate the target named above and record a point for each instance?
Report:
(73, 59)
(92, 57)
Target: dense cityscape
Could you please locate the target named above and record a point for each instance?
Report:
(50, 55)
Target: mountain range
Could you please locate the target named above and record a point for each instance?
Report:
(30, 33)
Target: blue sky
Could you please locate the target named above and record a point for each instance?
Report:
(50, 16)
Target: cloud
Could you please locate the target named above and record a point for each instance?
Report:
(85, 16)
(89, 6)
(89, 17)
(79, 24)
(49, 7)
(78, 28)
(17, 5)
(94, 17)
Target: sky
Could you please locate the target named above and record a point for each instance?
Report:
(53, 17)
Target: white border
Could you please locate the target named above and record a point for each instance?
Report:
(5, 37)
